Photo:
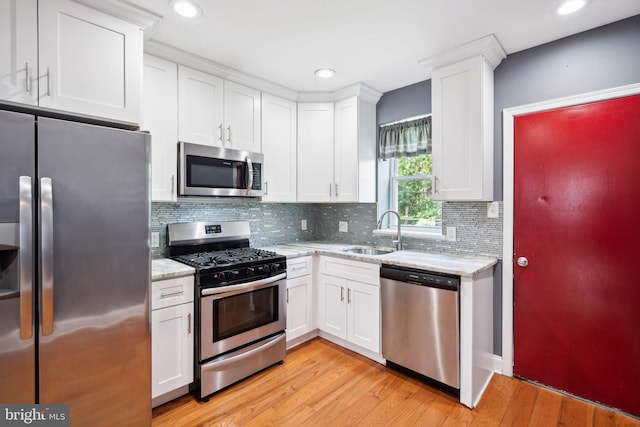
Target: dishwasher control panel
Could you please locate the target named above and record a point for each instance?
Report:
(420, 277)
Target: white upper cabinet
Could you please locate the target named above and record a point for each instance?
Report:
(215, 112)
(160, 118)
(279, 125)
(200, 107)
(355, 151)
(241, 117)
(337, 155)
(315, 152)
(90, 62)
(462, 120)
(19, 51)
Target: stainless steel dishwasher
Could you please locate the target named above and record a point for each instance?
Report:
(420, 324)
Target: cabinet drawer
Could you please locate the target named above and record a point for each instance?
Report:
(351, 270)
(299, 267)
(166, 293)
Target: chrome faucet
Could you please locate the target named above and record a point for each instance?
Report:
(397, 242)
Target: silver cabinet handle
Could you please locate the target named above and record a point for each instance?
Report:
(266, 188)
(302, 267)
(171, 294)
(348, 295)
(250, 172)
(435, 184)
(287, 296)
(48, 82)
(26, 257)
(220, 133)
(330, 188)
(46, 253)
(173, 183)
(27, 77)
(341, 293)
(229, 134)
(336, 186)
(523, 262)
(189, 323)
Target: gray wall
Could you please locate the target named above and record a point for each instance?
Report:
(598, 59)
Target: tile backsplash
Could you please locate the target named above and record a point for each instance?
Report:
(274, 223)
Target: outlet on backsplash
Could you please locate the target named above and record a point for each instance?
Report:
(343, 226)
(303, 225)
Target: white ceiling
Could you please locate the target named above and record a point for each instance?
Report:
(376, 42)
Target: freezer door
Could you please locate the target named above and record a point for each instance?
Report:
(94, 209)
(17, 348)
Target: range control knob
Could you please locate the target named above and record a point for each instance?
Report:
(275, 267)
(233, 274)
(251, 271)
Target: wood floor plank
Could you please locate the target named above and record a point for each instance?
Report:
(546, 408)
(321, 384)
(521, 405)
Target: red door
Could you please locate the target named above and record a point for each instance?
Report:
(577, 222)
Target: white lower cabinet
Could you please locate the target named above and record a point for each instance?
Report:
(349, 301)
(171, 337)
(300, 313)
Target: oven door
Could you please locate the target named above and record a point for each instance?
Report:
(216, 171)
(234, 316)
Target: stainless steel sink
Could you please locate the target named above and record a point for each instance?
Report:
(368, 251)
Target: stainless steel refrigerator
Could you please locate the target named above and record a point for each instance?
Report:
(75, 269)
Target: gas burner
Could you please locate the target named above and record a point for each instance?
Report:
(223, 258)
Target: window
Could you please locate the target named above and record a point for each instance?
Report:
(411, 193)
(406, 147)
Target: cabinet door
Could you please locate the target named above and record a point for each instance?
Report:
(315, 152)
(241, 117)
(171, 348)
(160, 117)
(346, 160)
(299, 306)
(19, 51)
(364, 315)
(200, 103)
(332, 305)
(90, 62)
(279, 149)
(463, 131)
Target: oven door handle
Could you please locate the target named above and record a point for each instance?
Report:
(244, 286)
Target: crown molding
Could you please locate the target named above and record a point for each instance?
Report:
(127, 11)
(199, 63)
(488, 47)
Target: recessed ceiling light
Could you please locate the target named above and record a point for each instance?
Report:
(186, 8)
(325, 73)
(570, 6)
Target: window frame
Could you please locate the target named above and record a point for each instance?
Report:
(393, 201)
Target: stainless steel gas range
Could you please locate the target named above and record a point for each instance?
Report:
(240, 302)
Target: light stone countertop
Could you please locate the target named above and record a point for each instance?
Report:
(443, 263)
(165, 268)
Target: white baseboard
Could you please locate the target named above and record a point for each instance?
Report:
(497, 364)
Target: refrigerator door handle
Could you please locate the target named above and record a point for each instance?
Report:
(26, 258)
(46, 226)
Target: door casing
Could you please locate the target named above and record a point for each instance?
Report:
(508, 116)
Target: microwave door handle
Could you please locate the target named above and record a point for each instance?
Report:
(250, 172)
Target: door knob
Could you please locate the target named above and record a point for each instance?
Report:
(523, 262)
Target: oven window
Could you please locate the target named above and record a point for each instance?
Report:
(240, 313)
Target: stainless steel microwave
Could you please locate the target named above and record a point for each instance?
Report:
(216, 171)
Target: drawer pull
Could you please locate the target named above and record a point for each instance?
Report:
(298, 268)
(171, 294)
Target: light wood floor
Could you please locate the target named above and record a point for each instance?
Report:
(322, 384)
